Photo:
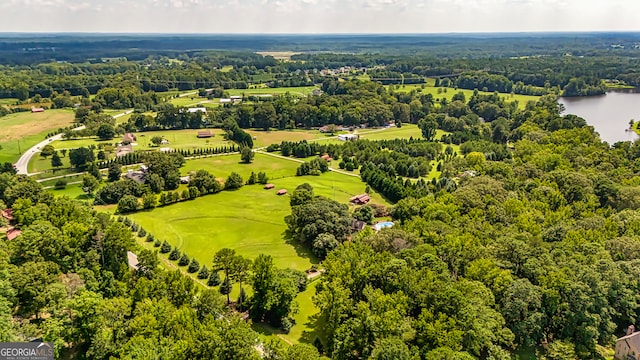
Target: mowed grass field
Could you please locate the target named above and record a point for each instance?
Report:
(249, 220)
(265, 138)
(296, 90)
(178, 139)
(29, 129)
(522, 99)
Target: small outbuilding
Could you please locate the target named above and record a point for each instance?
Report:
(196, 109)
(204, 134)
(132, 260)
(8, 215)
(326, 157)
(13, 233)
(269, 186)
(128, 138)
(282, 192)
(122, 150)
(348, 137)
(360, 199)
(37, 109)
(628, 346)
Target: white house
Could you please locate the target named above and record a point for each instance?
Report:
(196, 109)
(348, 137)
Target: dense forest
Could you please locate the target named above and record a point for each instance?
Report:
(526, 64)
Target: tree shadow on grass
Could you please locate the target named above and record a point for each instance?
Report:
(301, 250)
(316, 323)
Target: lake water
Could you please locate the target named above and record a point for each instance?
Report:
(609, 114)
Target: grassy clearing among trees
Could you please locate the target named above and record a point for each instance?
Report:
(29, 129)
(245, 220)
(439, 93)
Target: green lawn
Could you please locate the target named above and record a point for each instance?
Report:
(178, 139)
(222, 166)
(38, 164)
(250, 220)
(193, 100)
(8, 101)
(21, 131)
(404, 132)
(303, 331)
(299, 90)
(265, 138)
(522, 99)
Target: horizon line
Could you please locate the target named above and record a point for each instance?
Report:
(637, 31)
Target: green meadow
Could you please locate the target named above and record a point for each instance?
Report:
(20, 131)
(447, 93)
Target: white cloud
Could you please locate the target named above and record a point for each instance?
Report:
(318, 16)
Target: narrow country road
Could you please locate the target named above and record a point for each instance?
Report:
(23, 163)
(302, 161)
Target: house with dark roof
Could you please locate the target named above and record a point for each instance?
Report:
(358, 225)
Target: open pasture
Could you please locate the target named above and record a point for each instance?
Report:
(20, 131)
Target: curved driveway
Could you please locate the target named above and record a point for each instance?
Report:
(23, 162)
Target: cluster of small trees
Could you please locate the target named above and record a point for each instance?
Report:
(319, 223)
(315, 167)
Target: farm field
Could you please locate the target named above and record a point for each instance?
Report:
(8, 101)
(29, 129)
(178, 139)
(299, 90)
(250, 220)
(522, 99)
(222, 166)
(245, 220)
(265, 138)
(38, 164)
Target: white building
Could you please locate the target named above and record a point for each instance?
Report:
(348, 137)
(196, 109)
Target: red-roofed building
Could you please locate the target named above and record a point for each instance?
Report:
(282, 192)
(8, 214)
(13, 233)
(205, 134)
(269, 186)
(128, 138)
(326, 157)
(360, 199)
(37, 110)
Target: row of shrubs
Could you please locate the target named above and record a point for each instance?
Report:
(174, 254)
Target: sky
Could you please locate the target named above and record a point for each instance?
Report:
(317, 16)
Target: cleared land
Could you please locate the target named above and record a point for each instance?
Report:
(250, 220)
(265, 138)
(29, 129)
(178, 139)
(439, 93)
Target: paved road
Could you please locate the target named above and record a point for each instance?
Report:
(23, 162)
(302, 161)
